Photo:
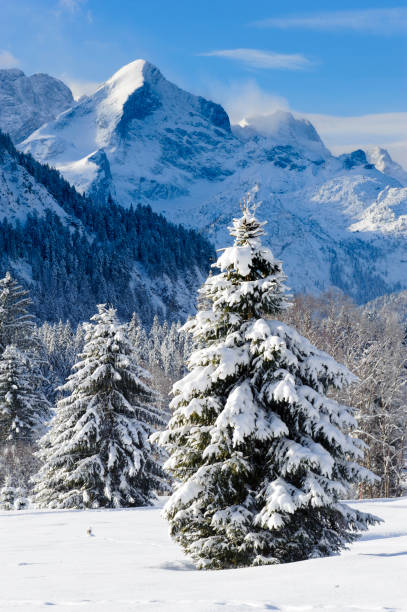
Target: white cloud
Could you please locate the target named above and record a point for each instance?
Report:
(71, 5)
(7, 60)
(75, 8)
(378, 21)
(245, 99)
(263, 59)
(79, 87)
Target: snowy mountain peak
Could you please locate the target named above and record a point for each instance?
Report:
(26, 103)
(127, 80)
(382, 160)
(282, 124)
(136, 119)
(134, 75)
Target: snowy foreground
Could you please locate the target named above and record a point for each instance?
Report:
(130, 563)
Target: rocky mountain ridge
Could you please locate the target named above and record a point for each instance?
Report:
(27, 102)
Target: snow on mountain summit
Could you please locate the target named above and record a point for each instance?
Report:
(112, 96)
(132, 76)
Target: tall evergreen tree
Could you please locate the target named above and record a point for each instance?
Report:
(259, 451)
(24, 411)
(23, 407)
(17, 328)
(138, 338)
(97, 452)
(16, 323)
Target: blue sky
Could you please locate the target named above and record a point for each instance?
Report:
(341, 59)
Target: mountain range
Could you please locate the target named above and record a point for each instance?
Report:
(139, 139)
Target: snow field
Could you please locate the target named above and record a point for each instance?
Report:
(48, 561)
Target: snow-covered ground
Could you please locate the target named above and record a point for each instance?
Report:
(47, 559)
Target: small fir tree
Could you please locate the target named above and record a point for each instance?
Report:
(7, 494)
(259, 451)
(21, 500)
(12, 496)
(97, 452)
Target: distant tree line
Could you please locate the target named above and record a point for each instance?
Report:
(373, 346)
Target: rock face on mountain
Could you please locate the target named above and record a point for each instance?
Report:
(26, 103)
(335, 221)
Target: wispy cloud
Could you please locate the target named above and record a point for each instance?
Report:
(256, 58)
(74, 8)
(243, 99)
(7, 60)
(377, 21)
(79, 87)
(71, 5)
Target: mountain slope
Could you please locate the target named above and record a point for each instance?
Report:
(73, 255)
(20, 194)
(334, 221)
(389, 305)
(26, 103)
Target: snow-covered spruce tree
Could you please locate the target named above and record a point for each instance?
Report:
(12, 496)
(138, 338)
(7, 494)
(23, 407)
(17, 328)
(97, 452)
(24, 411)
(258, 449)
(16, 323)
